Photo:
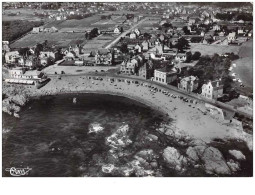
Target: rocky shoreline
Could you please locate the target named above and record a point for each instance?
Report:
(181, 156)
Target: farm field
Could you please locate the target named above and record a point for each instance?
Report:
(25, 14)
(148, 25)
(78, 24)
(98, 42)
(212, 49)
(66, 37)
(58, 39)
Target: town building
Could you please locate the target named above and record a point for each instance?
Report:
(146, 71)
(5, 46)
(133, 35)
(103, 57)
(117, 30)
(29, 61)
(165, 75)
(188, 84)
(180, 57)
(70, 56)
(216, 27)
(129, 66)
(16, 72)
(231, 36)
(12, 57)
(20, 76)
(36, 30)
(212, 89)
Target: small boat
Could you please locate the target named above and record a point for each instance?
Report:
(74, 100)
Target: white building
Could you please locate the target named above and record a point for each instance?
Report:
(12, 57)
(181, 57)
(216, 27)
(231, 37)
(212, 89)
(16, 72)
(117, 30)
(137, 31)
(132, 35)
(165, 75)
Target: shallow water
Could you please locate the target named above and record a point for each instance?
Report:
(52, 136)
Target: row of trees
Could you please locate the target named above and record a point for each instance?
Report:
(92, 34)
(78, 17)
(190, 56)
(106, 17)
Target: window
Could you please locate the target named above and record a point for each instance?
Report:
(163, 80)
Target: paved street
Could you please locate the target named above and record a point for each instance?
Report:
(124, 33)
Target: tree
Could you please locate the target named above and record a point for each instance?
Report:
(93, 33)
(196, 39)
(167, 25)
(38, 49)
(186, 31)
(196, 55)
(86, 35)
(146, 35)
(24, 52)
(124, 48)
(182, 44)
(121, 30)
(188, 57)
(45, 44)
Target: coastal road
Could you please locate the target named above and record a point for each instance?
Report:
(166, 87)
(124, 34)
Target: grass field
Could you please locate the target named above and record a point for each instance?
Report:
(98, 42)
(58, 39)
(79, 24)
(212, 49)
(25, 14)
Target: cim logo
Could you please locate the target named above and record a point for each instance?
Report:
(18, 171)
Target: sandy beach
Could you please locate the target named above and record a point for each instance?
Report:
(188, 118)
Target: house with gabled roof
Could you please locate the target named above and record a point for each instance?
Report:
(129, 66)
(188, 84)
(12, 57)
(117, 30)
(231, 36)
(103, 57)
(212, 89)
